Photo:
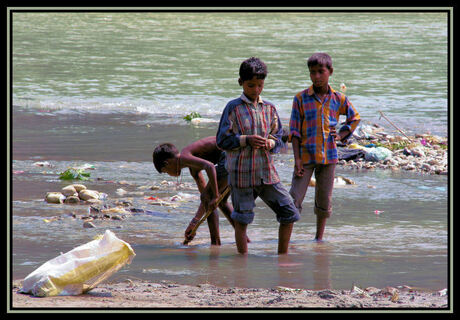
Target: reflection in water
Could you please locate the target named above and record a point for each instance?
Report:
(321, 271)
(291, 272)
(311, 270)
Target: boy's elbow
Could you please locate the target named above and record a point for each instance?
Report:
(220, 144)
(225, 143)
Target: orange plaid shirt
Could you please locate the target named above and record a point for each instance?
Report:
(312, 119)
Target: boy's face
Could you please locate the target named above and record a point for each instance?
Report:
(171, 167)
(252, 88)
(319, 75)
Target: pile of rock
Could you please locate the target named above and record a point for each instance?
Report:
(373, 148)
(75, 194)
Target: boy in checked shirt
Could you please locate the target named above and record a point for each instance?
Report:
(315, 113)
(249, 132)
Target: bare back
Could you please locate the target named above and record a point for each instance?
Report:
(205, 148)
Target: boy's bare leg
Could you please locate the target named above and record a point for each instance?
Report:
(323, 194)
(241, 238)
(284, 236)
(213, 224)
(227, 209)
(320, 226)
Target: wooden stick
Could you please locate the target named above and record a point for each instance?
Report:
(381, 113)
(221, 197)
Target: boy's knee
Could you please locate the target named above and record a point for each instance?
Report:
(322, 213)
(285, 207)
(244, 218)
(288, 214)
(296, 199)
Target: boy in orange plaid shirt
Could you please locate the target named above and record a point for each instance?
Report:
(315, 113)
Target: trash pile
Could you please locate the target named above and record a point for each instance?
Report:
(371, 147)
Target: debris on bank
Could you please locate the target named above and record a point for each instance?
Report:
(370, 147)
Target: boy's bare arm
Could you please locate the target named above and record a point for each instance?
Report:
(339, 136)
(199, 179)
(196, 165)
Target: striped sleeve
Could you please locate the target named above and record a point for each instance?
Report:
(353, 117)
(276, 130)
(226, 139)
(295, 123)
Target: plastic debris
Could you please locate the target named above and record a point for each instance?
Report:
(359, 291)
(395, 297)
(204, 121)
(121, 191)
(286, 289)
(341, 180)
(377, 154)
(160, 202)
(121, 210)
(356, 146)
(442, 292)
(86, 166)
(51, 219)
(80, 269)
(175, 198)
(42, 164)
(377, 212)
(350, 154)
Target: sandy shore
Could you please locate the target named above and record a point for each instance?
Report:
(146, 296)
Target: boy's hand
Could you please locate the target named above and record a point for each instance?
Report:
(209, 202)
(337, 136)
(333, 133)
(256, 141)
(188, 232)
(298, 168)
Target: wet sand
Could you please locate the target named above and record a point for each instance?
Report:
(147, 296)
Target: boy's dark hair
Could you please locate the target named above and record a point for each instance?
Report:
(162, 153)
(320, 58)
(253, 67)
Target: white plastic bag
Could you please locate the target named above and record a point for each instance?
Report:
(377, 154)
(80, 269)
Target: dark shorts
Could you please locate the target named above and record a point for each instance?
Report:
(220, 167)
(274, 195)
